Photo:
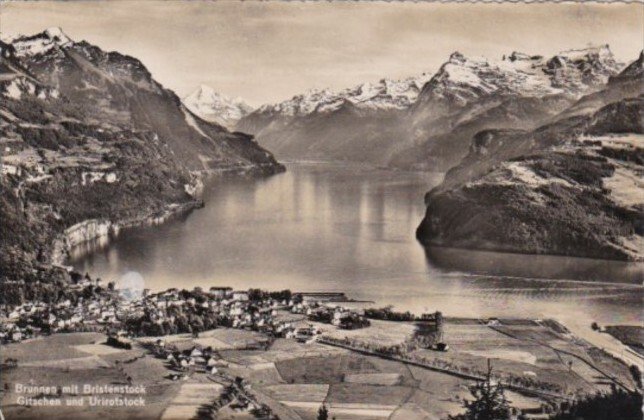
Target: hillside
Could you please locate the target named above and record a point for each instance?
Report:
(570, 187)
(88, 135)
(118, 89)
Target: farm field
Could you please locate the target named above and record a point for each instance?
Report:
(218, 339)
(352, 393)
(541, 351)
(298, 392)
(294, 378)
(382, 333)
(280, 350)
(55, 347)
(352, 386)
(374, 379)
(189, 400)
(62, 359)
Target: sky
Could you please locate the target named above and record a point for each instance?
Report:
(266, 52)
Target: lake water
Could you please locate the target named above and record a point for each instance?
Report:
(326, 227)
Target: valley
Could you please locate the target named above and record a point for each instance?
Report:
(383, 247)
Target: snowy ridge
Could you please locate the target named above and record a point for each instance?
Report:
(215, 107)
(15, 81)
(41, 43)
(383, 95)
(462, 79)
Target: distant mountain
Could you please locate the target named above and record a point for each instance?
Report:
(520, 91)
(118, 89)
(215, 107)
(350, 124)
(386, 94)
(461, 80)
(426, 122)
(571, 186)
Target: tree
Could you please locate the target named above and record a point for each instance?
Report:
(489, 401)
(256, 294)
(637, 375)
(323, 413)
(618, 404)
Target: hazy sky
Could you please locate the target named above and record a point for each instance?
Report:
(269, 51)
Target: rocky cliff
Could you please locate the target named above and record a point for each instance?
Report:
(571, 187)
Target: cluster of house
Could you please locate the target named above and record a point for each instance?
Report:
(240, 309)
(195, 358)
(336, 315)
(259, 313)
(234, 306)
(206, 360)
(33, 318)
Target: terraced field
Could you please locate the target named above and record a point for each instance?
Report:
(190, 399)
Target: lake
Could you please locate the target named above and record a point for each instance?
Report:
(332, 227)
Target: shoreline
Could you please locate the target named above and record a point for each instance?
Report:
(607, 343)
(500, 249)
(64, 243)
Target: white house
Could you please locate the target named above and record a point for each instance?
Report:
(240, 295)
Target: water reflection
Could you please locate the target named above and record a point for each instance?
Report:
(534, 266)
(332, 227)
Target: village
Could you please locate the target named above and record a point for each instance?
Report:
(124, 313)
(264, 354)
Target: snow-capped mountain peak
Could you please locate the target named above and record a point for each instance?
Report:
(215, 107)
(571, 72)
(41, 43)
(385, 94)
(56, 34)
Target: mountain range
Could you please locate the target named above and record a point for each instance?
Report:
(426, 122)
(571, 186)
(545, 155)
(117, 89)
(350, 124)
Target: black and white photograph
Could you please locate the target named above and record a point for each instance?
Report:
(317, 210)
